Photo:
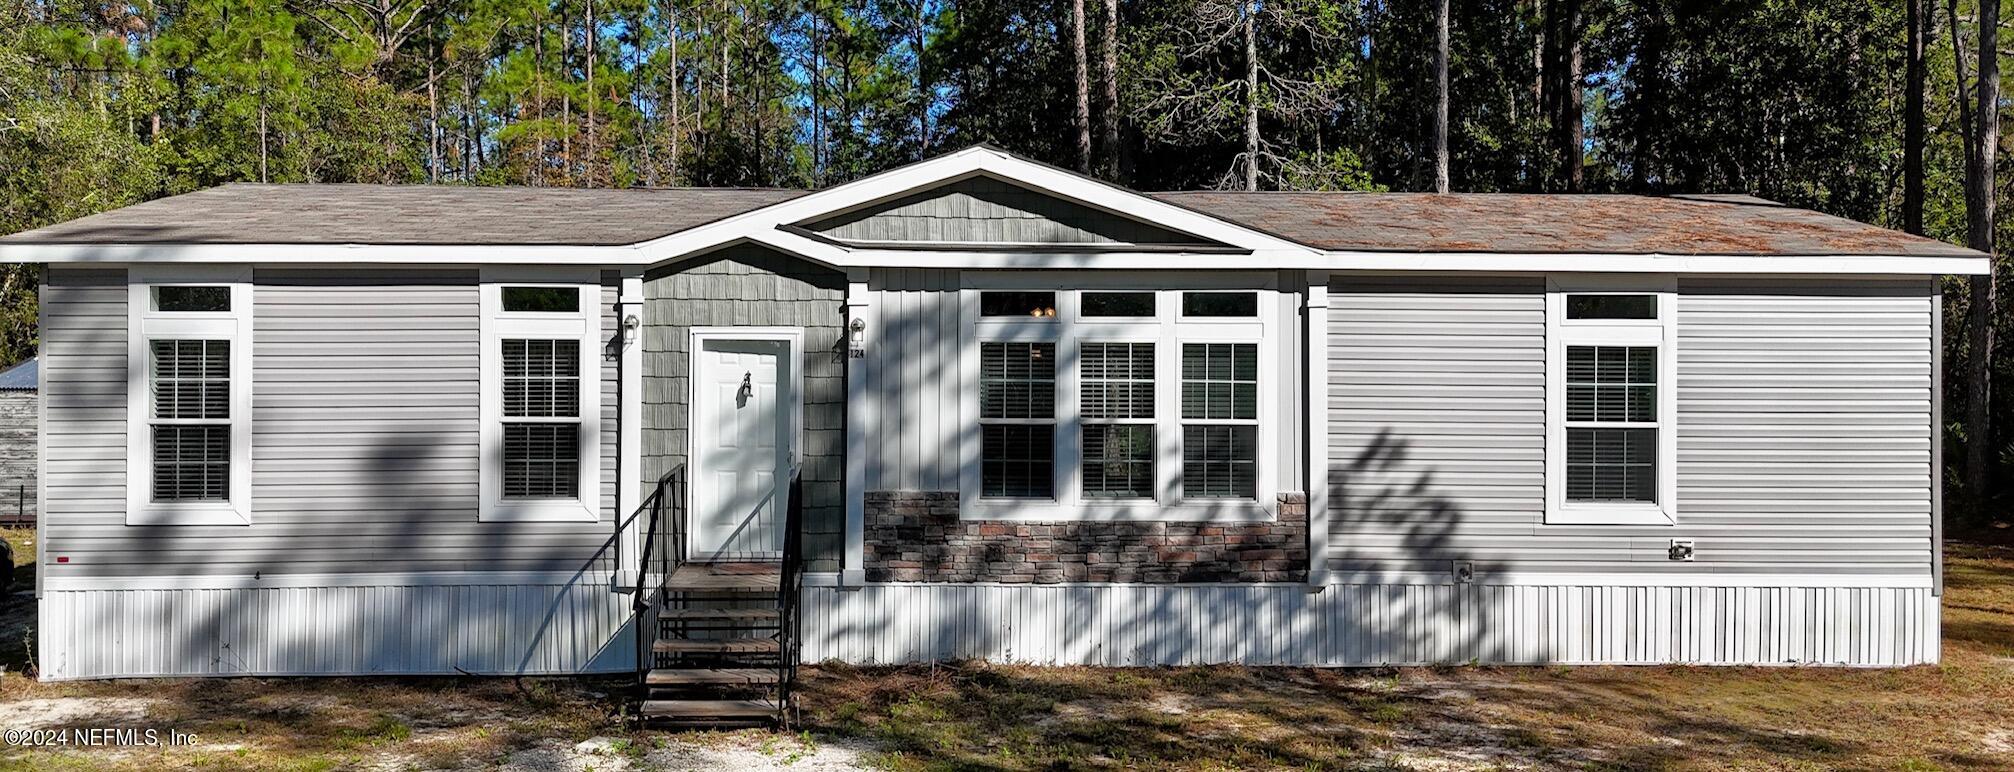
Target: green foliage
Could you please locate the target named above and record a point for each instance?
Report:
(1795, 100)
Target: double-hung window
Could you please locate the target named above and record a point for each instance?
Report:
(1610, 411)
(1116, 401)
(189, 419)
(540, 397)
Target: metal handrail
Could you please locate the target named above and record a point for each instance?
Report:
(669, 494)
(789, 590)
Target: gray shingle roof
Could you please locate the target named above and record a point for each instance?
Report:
(1557, 223)
(246, 213)
(1382, 222)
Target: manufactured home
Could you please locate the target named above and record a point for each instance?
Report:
(981, 408)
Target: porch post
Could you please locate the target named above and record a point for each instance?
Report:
(860, 415)
(1316, 368)
(629, 421)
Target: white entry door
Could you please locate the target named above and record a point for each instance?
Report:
(743, 421)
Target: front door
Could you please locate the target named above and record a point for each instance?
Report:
(743, 408)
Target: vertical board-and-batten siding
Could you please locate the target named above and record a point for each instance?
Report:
(912, 365)
(500, 629)
(1370, 624)
(1804, 431)
(753, 287)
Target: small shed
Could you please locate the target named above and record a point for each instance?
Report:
(20, 409)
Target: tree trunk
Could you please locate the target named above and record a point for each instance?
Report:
(1251, 96)
(433, 121)
(588, 32)
(1979, 191)
(677, 96)
(1570, 96)
(1083, 86)
(262, 132)
(1441, 101)
(1912, 119)
(923, 97)
(1110, 49)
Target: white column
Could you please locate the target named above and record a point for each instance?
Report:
(1316, 369)
(861, 414)
(629, 420)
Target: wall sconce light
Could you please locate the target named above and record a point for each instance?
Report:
(856, 343)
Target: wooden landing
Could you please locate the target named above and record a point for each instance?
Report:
(725, 577)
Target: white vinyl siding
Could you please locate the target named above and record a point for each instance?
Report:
(1803, 432)
(364, 449)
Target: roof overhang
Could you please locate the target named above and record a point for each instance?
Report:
(1225, 244)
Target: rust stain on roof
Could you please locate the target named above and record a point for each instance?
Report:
(1382, 222)
(1556, 223)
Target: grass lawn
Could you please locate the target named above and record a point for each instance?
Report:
(1958, 715)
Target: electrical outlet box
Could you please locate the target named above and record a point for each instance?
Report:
(1681, 550)
(1464, 571)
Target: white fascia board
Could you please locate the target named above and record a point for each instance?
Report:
(843, 257)
(338, 254)
(961, 165)
(1872, 265)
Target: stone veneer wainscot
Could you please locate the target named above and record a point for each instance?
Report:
(917, 536)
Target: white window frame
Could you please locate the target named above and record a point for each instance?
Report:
(1562, 332)
(498, 325)
(1167, 330)
(144, 324)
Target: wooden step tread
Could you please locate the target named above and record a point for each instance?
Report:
(721, 614)
(712, 677)
(714, 709)
(717, 646)
(722, 583)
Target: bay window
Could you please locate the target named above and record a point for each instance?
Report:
(1610, 441)
(540, 402)
(1116, 402)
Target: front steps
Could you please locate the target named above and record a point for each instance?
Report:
(718, 655)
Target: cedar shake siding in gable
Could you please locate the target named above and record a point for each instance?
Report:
(364, 430)
(754, 287)
(984, 210)
(1804, 431)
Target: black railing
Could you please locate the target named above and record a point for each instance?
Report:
(789, 592)
(663, 515)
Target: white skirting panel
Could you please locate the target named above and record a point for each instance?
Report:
(489, 629)
(1370, 624)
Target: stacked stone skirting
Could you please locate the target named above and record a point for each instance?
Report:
(916, 536)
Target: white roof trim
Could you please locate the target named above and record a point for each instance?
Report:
(762, 226)
(1654, 263)
(964, 164)
(844, 257)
